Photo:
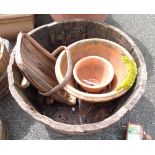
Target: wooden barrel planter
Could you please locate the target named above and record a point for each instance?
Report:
(82, 118)
(4, 61)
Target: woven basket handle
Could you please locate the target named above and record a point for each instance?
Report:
(68, 73)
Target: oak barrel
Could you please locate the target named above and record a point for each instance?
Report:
(82, 118)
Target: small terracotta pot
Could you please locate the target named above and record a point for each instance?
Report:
(93, 73)
(95, 17)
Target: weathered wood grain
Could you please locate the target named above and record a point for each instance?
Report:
(76, 29)
(57, 35)
(4, 61)
(95, 30)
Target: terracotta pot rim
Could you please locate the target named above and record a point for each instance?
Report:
(102, 84)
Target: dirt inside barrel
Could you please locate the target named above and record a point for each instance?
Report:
(81, 113)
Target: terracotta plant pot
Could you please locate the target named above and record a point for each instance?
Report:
(95, 17)
(12, 24)
(93, 73)
(122, 62)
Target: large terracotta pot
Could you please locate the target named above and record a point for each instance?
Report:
(96, 17)
(105, 49)
(12, 24)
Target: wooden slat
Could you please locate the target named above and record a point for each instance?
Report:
(76, 29)
(95, 30)
(57, 35)
(4, 61)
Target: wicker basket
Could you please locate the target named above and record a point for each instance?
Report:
(82, 118)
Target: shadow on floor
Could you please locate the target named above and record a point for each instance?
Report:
(17, 121)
